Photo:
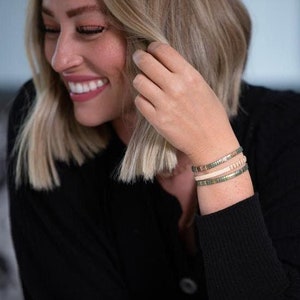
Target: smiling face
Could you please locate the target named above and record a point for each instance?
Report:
(89, 54)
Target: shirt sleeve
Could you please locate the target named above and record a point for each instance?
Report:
(239, 258)
(251, 250)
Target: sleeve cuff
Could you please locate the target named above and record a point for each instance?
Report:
(238, 254)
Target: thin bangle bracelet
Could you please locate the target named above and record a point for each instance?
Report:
(233, 166)
(223, 178)
(221, 160)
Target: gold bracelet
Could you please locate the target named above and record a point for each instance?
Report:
(240, 163)
(222, 178)
(221, 160)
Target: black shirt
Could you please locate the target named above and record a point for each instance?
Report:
(96, 238)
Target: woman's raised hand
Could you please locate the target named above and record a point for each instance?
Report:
(180, 105)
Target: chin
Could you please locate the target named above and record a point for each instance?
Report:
(91, 116)
(88, 124)
(89, 121)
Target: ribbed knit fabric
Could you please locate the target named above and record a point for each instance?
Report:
(94, 238)
(240, 263)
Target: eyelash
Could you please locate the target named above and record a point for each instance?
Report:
(47, 29)
(90, 29)
(86, 30)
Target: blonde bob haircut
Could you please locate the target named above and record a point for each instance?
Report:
(213, 35)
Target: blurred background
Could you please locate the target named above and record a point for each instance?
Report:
(274, 61)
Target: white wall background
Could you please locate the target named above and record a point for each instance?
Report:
(13, 64)
(275, 49)
(274, 54)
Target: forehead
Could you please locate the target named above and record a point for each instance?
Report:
(71, 7)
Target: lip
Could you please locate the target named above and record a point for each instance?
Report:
(87, 96)
(79, 78)
(83, 78)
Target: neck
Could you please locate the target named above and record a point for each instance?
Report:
(124, 127)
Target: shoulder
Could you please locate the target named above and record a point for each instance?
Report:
(23, 100)
(268, 112)
(258, 99)
(268, 128)
(18, 111)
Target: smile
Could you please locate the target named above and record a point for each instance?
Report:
(86, 87)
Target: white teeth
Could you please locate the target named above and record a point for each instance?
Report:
(72, 86)
(79, 88)
(101, 82)
(92, 85)
(85, 87)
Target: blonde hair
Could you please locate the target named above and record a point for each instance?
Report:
(213, 35)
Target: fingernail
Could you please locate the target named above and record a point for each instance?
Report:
(136, 55)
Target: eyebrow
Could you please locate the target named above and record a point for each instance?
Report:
(74, 12)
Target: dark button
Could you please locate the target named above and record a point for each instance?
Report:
(188, 286)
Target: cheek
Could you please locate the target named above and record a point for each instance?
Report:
(114, 54)
(119, 55)
(49, 48)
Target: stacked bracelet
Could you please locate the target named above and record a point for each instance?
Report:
(221, 160)
(207, 178)
(241, 162)
(222, 178)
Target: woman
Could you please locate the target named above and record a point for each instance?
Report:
(141, 165)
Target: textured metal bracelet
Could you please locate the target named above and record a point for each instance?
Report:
(238, 164)
(222, 178)
(221, 160)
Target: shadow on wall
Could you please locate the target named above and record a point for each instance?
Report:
(10, 288)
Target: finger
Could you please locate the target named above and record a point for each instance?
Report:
(148, 89)
(145, 107)
(151, 67)
(169, 57)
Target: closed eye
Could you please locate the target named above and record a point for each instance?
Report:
(48, 29)
(89, 30)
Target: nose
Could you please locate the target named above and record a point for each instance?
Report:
(66, 54)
